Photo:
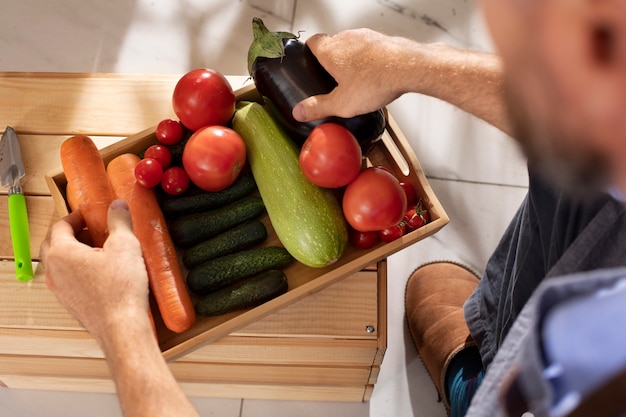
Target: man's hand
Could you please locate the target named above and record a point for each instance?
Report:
(98, 286)
(365, 65)
(107, 291)
(373, 69)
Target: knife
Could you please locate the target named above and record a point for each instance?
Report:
(12, 171)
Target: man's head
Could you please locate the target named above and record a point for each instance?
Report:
(565, 69)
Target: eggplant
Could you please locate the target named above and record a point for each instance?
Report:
(285, 72)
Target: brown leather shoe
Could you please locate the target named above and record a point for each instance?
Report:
(434, 298)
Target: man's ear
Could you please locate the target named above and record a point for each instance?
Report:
(607, 32)
(606, 61)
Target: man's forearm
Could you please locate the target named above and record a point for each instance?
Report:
(469, 80)
(144, 382)
(373, 69)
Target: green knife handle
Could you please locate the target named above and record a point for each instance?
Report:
(20, 235)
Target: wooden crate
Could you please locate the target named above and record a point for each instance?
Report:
(391, 151)
(324, 339)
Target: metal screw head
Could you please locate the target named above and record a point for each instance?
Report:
(370, 329)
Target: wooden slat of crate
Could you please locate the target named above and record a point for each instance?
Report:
(41, 215)
(95, 104)
(254, 391)
(198, 372)
(32, 306)
(230, 349)
(41, 154)
(197, 378)
(356, 295)
(287, 351)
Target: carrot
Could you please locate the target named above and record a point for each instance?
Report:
(88, 188)
(71, 196)
(164, 272)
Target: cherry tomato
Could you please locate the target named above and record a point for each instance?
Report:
(161, 153)
(169, 132)
(416, 216)
(331, 156)
(213, 157)
(374, 200)
(363, 240)
(175, 181)
(203, 97)
(392, 233)
(148, 172)
(411, 195)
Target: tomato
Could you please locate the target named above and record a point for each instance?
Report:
(374, 200)
(392, 233)
(161, 153)
(175, 181)
(384, 168)
(331, 156)
(203, 97)
(213, 157)
(363, 240)
(416, 216)
(411, 195)
(148, 172)
(169, 132)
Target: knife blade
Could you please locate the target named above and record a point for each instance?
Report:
(12, 171)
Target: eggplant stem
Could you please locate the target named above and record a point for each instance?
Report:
(266, 44)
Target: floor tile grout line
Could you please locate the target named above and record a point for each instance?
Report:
(494, 184)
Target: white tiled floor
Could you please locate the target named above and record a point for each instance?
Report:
(476, 171)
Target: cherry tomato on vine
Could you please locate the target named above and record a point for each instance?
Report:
(213, 157)
(331, 156)
(416, 216)
(363, 240)
(161, 153)
(374, 200)
(148, 172)
(203, 97)
(392, 233)
(175, 181)
(169, 132)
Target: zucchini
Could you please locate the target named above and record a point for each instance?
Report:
(307, 219)
(198, 200)
(245, 294)
(220, 272)
(244, 236)
(192, 229)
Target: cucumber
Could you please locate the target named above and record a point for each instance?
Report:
(197, 200)
(307, 219)
(220, 272)
(239, 238)
(246, 294)
(195, 228)
(178, 148)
